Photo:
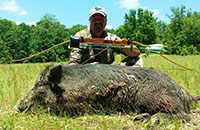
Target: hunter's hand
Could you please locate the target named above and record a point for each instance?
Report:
(72, 63)
(131, 53)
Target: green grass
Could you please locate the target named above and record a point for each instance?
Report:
(17, 79)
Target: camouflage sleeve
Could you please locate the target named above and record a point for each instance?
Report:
(75, 55)
(112, 37)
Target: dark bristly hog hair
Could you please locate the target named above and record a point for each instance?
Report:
(89, 88)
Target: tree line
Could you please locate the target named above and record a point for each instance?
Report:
(181, 35)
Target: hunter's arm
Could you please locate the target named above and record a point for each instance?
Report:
(75, 56)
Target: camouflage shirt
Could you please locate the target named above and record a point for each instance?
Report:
(81, 55)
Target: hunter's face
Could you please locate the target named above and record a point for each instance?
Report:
(97, 23)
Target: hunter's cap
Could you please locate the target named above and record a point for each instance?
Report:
(98, 10)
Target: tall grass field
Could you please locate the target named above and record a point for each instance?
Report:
(17, 79)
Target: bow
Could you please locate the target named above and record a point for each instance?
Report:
(126, 45)
(76, 41)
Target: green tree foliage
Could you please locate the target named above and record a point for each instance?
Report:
(139, 25)
(48, 33)
(4, 53)
(182, 36)
(7, 29)
(161, 28)
(19, 41)
(76, 28)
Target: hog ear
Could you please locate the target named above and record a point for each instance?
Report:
(55, 73)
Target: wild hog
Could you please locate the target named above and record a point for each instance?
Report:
(87, 88)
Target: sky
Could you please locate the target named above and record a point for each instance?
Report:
(72, 12)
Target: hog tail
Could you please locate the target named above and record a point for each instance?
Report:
(197, 98)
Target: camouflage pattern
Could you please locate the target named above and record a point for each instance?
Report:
(81, 55)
